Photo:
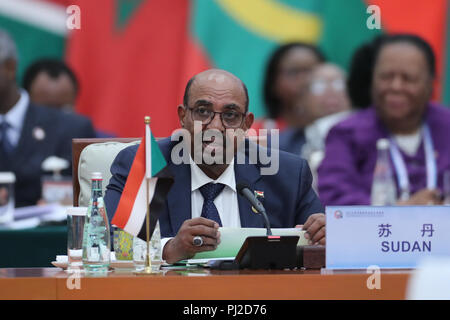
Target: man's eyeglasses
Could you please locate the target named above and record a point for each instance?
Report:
(295, 71)
(230, 118)
(318, 87)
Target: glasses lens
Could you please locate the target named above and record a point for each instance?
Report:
(232, 119)
(202, 114)
(318, 87)
(338, 85)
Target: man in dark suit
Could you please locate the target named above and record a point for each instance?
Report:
(292, 140)
(204, 196)
(52, 83)
(28, 133)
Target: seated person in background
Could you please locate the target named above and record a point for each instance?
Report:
(203, 196)
(286, 78)
(359, 80)
(402, 84)
(50, 82)
(28, 133)
(327, 103)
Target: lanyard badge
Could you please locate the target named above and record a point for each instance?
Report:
(400, 166)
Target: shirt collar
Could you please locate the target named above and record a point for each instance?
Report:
(199, 178)
(15, 117)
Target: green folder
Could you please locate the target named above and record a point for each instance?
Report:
(233, 238)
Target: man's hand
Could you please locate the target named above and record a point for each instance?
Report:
(423, 197)
(181, 246)
(315, 228)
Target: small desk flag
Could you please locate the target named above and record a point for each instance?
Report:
(149, 163)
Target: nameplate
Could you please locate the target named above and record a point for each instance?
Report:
(388, 237)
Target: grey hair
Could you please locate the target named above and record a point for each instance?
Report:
(7, 47)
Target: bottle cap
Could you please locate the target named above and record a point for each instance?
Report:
(77, 211)
(7, 177)
(54, 164)
(96, 176)
(383, 144)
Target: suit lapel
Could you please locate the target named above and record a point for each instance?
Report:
(26, 144)
(249, 174)
(5, 161)
(179, 197)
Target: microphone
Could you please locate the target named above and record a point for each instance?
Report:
(244, 190)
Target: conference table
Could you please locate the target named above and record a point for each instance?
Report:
(201, 284)
(26, 273)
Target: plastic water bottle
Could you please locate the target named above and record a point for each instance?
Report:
(384, 191)
(96, 236)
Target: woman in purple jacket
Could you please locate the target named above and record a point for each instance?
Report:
(401, 86)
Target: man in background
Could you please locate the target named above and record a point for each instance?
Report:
(50, 82)
(326, 103)
(29, 134)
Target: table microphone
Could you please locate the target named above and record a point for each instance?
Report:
(244, 190)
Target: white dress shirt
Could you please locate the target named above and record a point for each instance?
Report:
(226, 202)
(16, 117)
(409, 143)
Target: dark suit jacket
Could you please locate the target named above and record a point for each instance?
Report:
(292, 140)
(59, 128)
(288, 196)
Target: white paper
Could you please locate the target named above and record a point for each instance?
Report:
(203, 261)
(431, 280)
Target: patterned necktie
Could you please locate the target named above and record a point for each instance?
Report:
(5, 144)
(209, 192)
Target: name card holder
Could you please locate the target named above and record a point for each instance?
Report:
(387, 237)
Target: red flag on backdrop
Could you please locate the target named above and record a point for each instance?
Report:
(134, 69)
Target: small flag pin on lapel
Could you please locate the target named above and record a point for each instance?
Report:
(258, 194)
(38, 133)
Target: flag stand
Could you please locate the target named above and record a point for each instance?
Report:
(148, 263)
